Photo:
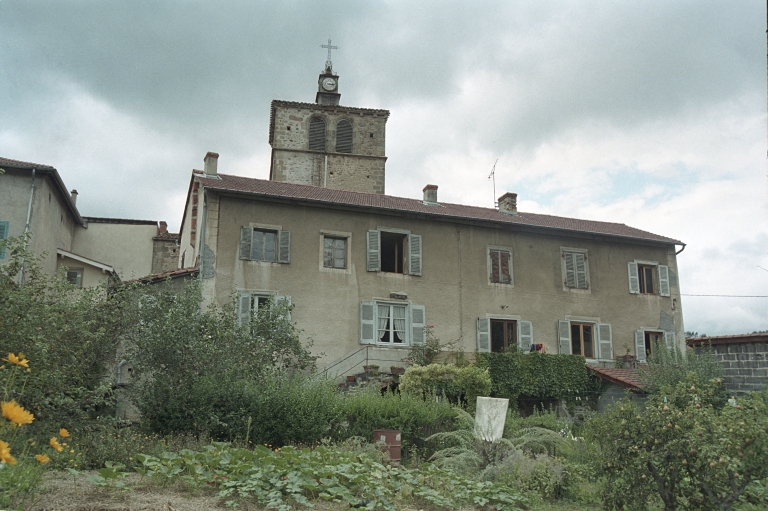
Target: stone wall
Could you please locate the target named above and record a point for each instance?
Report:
(165, 255)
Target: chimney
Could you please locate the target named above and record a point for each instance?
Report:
(73, 195)
(430, 193)
(162, 229)
(508, 204)
(211, 162)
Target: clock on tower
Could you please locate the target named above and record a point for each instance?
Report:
(328, 83)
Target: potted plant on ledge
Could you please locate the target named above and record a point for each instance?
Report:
(371, 369)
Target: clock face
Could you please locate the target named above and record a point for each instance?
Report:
(329, 84)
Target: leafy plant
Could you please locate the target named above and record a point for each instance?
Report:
(427, 353)
(457, 384)
(669, 366)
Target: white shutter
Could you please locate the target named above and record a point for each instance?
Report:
(373, 243)
(570, 272)
(669, 340)
(663, 280)
(605, 341)
(483, 335)
(524, 335)
(564, 336)
(246, 238)
(580, 264)
(243, 308)
(287, 299)
(414, 254)
(418, 324)
(634, 278)
(368, 323)
(640, 345)
(284, 247)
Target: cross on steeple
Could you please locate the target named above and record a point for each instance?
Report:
(328, 64)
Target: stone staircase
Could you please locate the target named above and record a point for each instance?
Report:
(359, 382)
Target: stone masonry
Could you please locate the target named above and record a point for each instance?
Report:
(744, 359)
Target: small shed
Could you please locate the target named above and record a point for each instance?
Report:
(625, 382)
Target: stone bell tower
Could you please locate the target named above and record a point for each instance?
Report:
(325, 144)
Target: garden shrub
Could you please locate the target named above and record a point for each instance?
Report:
(668, 366)
(682, 448)
(460, 385)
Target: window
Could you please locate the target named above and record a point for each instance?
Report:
(270, 245)
(394, 251)
(4, 227)
(648, 341)
(334, 252)
(250, 302)
(497, 335)
(344, 137)
(586, 338)
(392, 323)
(317, 134)
(575, 271)
(648, 278)
(500, 265)
(75, 276)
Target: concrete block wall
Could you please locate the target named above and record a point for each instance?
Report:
(745, 366)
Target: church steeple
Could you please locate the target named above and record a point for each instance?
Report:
(328, 82)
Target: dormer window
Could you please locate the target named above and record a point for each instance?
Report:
(317, 134)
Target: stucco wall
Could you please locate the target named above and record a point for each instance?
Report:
(454, 287)
(126, 247)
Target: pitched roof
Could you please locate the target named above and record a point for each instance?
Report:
(173, 274)
(86, 260)
(315, 194)
(23, 164)
(628, 378)
(728, 339)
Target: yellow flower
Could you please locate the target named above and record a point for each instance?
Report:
(63, 433)
(18, 360)
(15, 413)
(42, 458)
(5, 454)
(55, 444)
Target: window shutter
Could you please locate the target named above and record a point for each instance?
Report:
(243, 308)
(483, 335)
(414, 254)
(640, 345)
(524, 335)
(368, 323)
(418, 324)
(3, 234)
(246, 238)
(284, 247)
(580, 263)
(634, 278)
(287, 300)
(570, 271)
(344, 137)
(505, 267)
(494, 263)
(317, 134)
(605, 341)
(564, 336)
(373, 244)
(669, 340)
(663, 280)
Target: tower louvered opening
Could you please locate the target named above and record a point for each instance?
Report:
(316, 134)
(344, 137)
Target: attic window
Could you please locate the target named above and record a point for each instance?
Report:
(317, 134)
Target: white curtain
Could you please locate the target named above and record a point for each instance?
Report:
(383, 320)
(398, 312)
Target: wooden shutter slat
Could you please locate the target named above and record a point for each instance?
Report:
(368, 323)
(414, 254)
(344, 137)
(664, 280)
(418, 324)
(634, 278)
(317, 134)
(483, 335)
(494, 255)
(570, 271)
(580, 264)
(640, 345)
(524, 335)
(373, 256)
(505, 272)
(605, 341)
(246, 239)
(284, 247)
(564, 336)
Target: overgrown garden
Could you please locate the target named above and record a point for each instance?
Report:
(241, 412)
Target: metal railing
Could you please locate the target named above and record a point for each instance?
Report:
(354, 361)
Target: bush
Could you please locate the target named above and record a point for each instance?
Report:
(668, 367)
(682, 448)
(460, 385)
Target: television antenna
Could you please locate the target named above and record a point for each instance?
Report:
(492, 175)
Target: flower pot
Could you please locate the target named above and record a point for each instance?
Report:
(397, 370)
(351, 378)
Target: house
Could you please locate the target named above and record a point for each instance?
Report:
(367, 272)
(34, 200)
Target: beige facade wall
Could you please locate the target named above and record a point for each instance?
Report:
(92, 276)
(51, 224)
(362, 171)
(188, 240)
(127, 247)
(454, 286)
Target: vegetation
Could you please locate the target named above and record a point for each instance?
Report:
(669, 366)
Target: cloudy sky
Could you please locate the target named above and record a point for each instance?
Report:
(649, 113)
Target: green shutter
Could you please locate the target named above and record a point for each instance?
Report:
(605, 341)
(640, 345)
(634, 278)
(663, 280)
(418, 325)
(373, 243)
(414, 254)
(483, 335)
(564, 337)
(524, 335)
(368, 323)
